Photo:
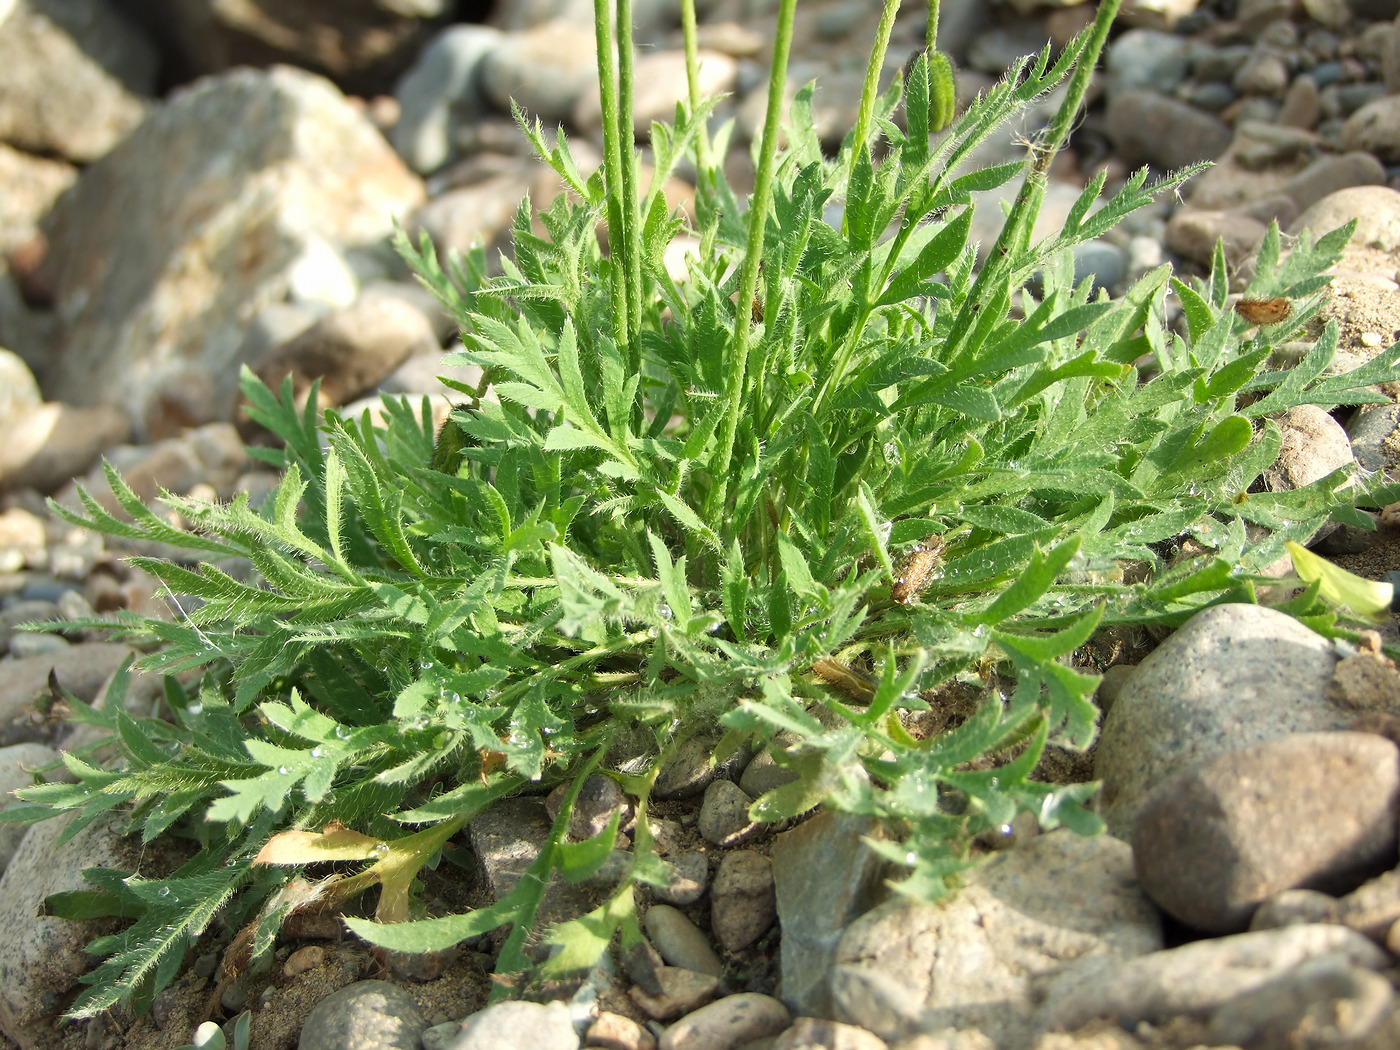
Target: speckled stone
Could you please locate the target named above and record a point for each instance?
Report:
(1232, 676)
(1306, 811)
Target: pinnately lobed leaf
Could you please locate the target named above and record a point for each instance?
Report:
(836, 468)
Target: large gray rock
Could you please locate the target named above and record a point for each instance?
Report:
(507, 838)
(363, 45)
(366, 1015)
(352, 350)
(981, 959)
(1216, 981)
(440, 94)
(41, 958)
(166, 248)
(74, 77)
(1307, 811)
(1148, 127)
(544, 70)
(1234, 675)
(825, 876)
(81, 669)
(17, 765)
(31, 184)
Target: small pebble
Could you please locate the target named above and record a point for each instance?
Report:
(682, 991)
(310, 957)
(610, 1031)
(24, 644)
(724, 815)
(690, 877)
(808, 1033)
(518, 1026)
(743, 900)
(599, 799)
(366, 1015)
(728, 1023)
(679, 941)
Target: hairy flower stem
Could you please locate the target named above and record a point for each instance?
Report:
(931, 40)
(619, 169)
(1015, 233)
(703, 161)
(1068, 113)
(626, 126)
(871, 88)
(753, 252)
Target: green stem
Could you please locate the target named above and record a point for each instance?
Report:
(1068, 113)
(1016, 231)
(612, 169)
(871, 90)
(632, 228)
(865, 117)
(932, 37)
(753, 251)
(703, 161)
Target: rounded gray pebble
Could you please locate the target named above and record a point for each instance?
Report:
(1145, 126)
(744, 901)
(763, 774)
(518, 1026)
(598, 799)
(1107, 262)
(543, 69)
(366, 1015)
(1147, 58)
(728, 1022)
(24, 611)
(1371, 430)
(724, 815)
(1308, 811)
(680, 941)
(690, 877)
(24, 644)
(689, 770)
(1234, 675)
(438, 91)
(440, 1036)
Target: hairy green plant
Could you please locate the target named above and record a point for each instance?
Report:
(837, 464)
